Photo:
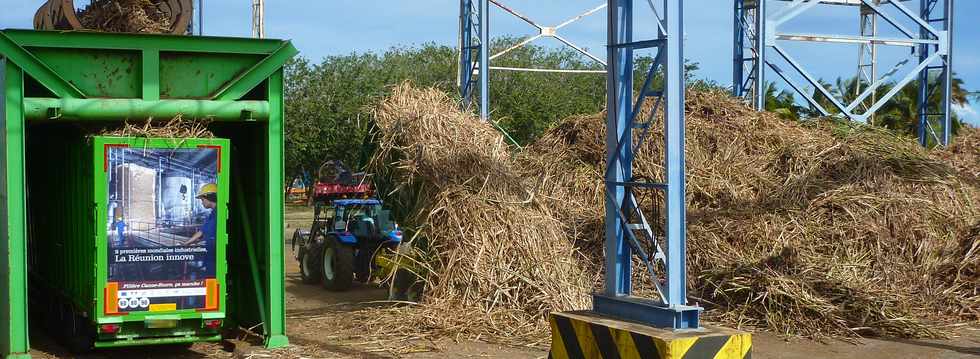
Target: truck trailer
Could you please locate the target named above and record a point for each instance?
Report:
(127, 238)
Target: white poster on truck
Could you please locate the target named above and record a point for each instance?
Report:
(161, 227)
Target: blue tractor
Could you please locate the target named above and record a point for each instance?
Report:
(350, 229)
(343, 241)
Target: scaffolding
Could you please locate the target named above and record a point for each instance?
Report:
(758, 34)
(474, 51)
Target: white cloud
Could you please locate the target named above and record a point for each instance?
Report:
(968, 113)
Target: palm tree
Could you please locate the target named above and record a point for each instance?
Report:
(782, 102)
(900, 114)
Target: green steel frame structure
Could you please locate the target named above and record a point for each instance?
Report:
(77, 77)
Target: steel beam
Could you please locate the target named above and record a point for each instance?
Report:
(619, 97)
(271, 234)
(863, 40)
(738, 50)
(674, 143)
(473, 54)
(923, 98)
(474, 35)
(120, 41)
(484, 60)
(935, 80)
(254, 76)
(749, 53)
(14, 342)
(627, 229)
(761, 33)
(34, 67)
(115, 109)
(948, 73)
(867, 67)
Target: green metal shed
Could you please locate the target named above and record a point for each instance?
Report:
(77, 77)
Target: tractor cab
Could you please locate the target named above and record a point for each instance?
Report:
(354, 219)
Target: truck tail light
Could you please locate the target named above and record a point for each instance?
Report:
(109, 328)
(212, 323)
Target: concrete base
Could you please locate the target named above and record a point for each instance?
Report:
(584, 334)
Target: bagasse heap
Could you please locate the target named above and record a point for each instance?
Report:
(175, 128)
(499, 259)
(805, 228)
(816, 228)
(133, 16)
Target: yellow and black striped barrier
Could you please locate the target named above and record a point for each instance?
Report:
(584, 334)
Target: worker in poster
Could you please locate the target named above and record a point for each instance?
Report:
(207, 233)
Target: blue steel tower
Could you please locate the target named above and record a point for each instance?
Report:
(629, 231)
(760, 46)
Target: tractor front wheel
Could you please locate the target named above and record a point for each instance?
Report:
(300, 237)
(338, 265)
(309, 263)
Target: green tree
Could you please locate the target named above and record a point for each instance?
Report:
(525, 104)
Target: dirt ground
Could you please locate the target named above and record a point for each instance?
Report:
(318, 328)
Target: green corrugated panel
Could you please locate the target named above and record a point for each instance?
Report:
(211, 72)
(97, 73)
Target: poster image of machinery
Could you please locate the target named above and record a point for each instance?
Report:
(161, 226)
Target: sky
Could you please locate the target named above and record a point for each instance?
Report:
(335, 27)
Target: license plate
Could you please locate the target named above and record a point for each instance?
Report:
(161, 323)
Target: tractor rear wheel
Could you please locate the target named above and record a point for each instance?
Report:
(338, 265)
(309, 263)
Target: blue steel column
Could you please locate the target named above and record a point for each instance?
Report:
(760, 59)
(738, 55)
(467, 66)
(484, 59)
(674, 143)
(626, 225)
(943, 82)
(923, 98)
(465, 51)
(619, 96)
(948, 72)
